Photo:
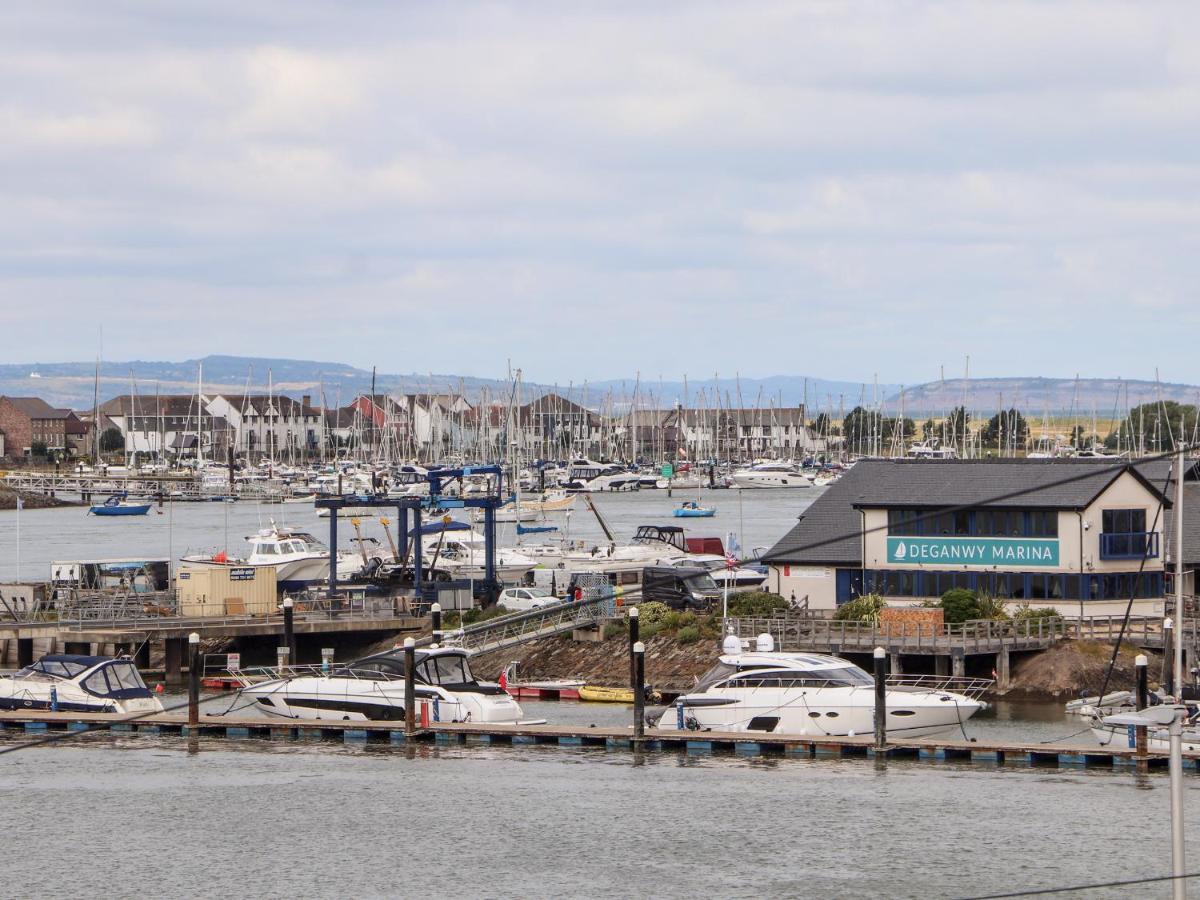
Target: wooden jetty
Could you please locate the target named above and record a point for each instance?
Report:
(741, 744)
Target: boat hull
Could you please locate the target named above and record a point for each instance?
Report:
(136, 510)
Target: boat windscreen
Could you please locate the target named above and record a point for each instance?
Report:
(54, 667)
(449, 670)
(717, 673)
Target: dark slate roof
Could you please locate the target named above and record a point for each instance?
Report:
(829, 531)
(37, 408)
(1044, 484)
(832, 522)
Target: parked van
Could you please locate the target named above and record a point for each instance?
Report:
(679, 587)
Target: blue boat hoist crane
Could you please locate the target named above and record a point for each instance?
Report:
(437, 502)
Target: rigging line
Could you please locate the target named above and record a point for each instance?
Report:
(1081, 887)
(1137, 581)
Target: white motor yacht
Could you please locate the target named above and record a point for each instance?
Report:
(298, 557)
(810, 694)
(71, 683)
(586, 475)
(373, 689)
(770, 475)
(460, 550)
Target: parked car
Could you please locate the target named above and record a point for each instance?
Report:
(523, 599)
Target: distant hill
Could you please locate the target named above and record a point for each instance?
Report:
(72, 384)
(1036, 396)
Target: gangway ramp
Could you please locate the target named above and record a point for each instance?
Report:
(523, 627)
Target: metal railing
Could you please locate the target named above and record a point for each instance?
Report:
(1129, 545)
(955, 684)
(982, 636)
(545, 621)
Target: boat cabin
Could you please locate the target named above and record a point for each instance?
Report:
(100, 676)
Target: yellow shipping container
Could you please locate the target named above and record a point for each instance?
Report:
(226, 590)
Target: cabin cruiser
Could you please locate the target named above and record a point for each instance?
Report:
(586, 475)
(811, 694)
(373, 688)
(461, 551)
(771, 475)
(298, 557)
(928, 450)
(94, 684)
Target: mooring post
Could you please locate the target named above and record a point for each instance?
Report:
(633, 639)
(333, 548)
(193, 680)
(435, 613)
(1141, 667)
(24, 652)
(173, 661)
(289, 628)
(639, 690)
(410, 686)
(880, 698)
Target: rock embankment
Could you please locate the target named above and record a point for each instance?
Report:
(1072, 666)
(8, 500)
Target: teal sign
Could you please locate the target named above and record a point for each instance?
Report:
(971, 551)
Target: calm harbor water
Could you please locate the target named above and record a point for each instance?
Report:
(760, 518)
(146, 817)
(324, 820)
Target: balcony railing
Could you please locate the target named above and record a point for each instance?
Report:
(1129, 545)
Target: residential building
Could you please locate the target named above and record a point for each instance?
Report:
(29, 421)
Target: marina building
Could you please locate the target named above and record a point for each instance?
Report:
(1081, 536)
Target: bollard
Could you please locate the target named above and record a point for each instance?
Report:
(289, 628)
(410, 686)
(1141, 666)
(326, 659)
(639, 690)
(193, 680)
(424, 713)
(435, 612)
(633, 639)
(880, 698)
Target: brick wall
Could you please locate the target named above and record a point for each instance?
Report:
(18, 433)
(912, 621)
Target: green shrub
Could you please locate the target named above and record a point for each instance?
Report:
(1025, 611)
(645, 632)
(688, 635)
(652, 613)
(960, 605)
(992, 608)
(671, 621)
(756, 603)
(614, 629)
(686, 618)
(861, 609)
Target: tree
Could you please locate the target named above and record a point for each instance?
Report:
(821, 423)
(859, 428)
(1007, 426)
(1081, 439)
(111, 441)
(37, 448)
(1154, 427)
(960, 605)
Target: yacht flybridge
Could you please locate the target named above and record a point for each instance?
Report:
(298, 557)
(810, 694)
(373, 689)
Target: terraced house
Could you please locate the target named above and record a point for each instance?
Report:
(27, 422)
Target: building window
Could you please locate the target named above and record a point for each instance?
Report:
(1124, 535)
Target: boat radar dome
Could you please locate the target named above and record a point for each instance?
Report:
(765, 643)
(731, 646)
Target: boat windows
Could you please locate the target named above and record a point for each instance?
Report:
(448, 670)
(115, 679)
(58, 668)
(716, 674)
(850, 676)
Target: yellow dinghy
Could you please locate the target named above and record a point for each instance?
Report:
(597, 694)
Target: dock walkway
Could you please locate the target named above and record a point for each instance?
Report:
(745, 744)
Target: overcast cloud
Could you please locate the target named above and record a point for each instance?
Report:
(593, 189)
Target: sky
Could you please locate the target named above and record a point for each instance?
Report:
(590, 190)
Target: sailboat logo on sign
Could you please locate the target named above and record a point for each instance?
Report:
(901, 551)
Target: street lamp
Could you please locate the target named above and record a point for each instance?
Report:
(1172, 717)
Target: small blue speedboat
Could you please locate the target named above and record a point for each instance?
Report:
(693, 510)
(119, 505)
